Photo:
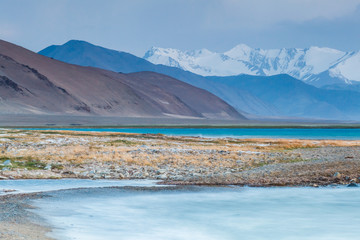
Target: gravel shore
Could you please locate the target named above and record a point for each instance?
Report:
(16, 222)
(177, 160)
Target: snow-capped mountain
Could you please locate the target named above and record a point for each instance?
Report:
(279, 96)
(317, 66)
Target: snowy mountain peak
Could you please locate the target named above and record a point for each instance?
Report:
(161, 51)
(305, 64)
(165, 56)
(239, 50)
(325, 50)
(198, 53)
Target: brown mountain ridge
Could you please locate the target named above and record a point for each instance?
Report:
(34, 84)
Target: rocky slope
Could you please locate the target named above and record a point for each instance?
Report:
(279, 96)
(35, 84)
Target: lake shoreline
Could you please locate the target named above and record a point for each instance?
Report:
(199, 126)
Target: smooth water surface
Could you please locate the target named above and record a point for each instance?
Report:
(300, 133)
(202, 213)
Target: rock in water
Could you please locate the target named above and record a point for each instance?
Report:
(352, 185)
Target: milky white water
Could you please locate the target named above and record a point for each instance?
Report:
(203, 213)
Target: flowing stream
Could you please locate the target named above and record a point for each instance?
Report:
(143, 211)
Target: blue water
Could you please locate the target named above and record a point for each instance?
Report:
(202, 213)
(299, 133)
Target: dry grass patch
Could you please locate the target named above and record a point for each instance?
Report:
(149, 150)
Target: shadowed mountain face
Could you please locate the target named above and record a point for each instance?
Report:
(291, 97)
(35, 84)
(24, 90)
(274, 96)
(85, 54)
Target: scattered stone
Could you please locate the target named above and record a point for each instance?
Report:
(161, 171)
(162, 176)
(177, 178)
(7, 163)
(48, 167)
(337, 175)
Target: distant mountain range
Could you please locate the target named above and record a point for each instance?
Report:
(316, 66)
(34, 84)
(287, 96)
(255, 96)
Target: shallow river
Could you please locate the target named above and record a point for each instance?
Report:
(201, 213)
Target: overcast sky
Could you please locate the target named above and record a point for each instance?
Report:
(218, 25)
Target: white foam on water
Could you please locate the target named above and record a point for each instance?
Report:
(204, 214)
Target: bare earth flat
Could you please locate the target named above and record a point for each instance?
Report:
(16, 120)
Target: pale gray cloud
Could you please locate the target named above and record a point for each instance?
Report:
(265, 13)
(293, 10)
(136, 25)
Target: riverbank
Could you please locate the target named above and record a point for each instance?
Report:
(19, 213)
(41, 154)
(16, 222)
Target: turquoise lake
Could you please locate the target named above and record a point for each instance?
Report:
(299, 133)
